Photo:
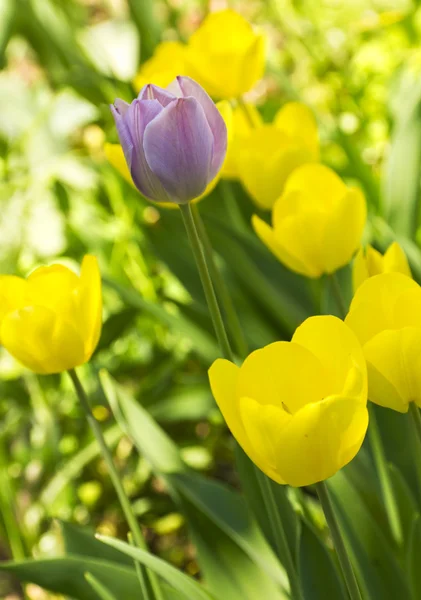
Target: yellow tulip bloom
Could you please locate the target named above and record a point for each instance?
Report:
(225, 55)
(268, 155)
(167, 62)
(299, 408)
(51, 321)
(370, 262)
(317, 222)
(115, 156)
(385, 314)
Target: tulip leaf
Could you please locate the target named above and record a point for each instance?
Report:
(230, 545)
(413, 559)
(318, 572)
(406, 502)
(181, 582)
(377, 568)
(401, 184)
(97, 586)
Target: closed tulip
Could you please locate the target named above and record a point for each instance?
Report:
(317, 223)
(244, 120)
(299, 408)
(369, 262)
(51, 321)
(174, 140)
(266, 155)
(225, 55)
(168, 61)
(385, 314)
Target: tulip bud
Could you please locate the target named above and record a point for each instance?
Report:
(174, 140)
(51, 321)
(299, 408)
(370, 262)
(385, 315)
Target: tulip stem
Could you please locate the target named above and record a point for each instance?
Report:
(416, 418)
(337, 292)
(338, 542)
(114, 476)
(220, 287)
(416, 435)
(386, 486)
(282, 546)
(206, 280)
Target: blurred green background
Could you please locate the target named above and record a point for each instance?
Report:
(356, 63)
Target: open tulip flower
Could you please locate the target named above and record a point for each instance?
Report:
(299, 408)
(385, 314)
(51, 321)
(174, 140)
(266, 155)
(369, 262)
(317, 223)
(225, 55)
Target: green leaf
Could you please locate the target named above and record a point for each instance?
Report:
(115, 327)
(181, 582)
(318, 572)
(413, 561)
(230, 544)
(97, 586)
(405, 499)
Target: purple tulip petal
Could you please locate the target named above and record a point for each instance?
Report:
(219, 130)
(178, 147)
(153, 92)
(119, 110)
(137, 116)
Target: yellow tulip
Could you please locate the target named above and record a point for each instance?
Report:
(225, 55)
(317, 222)
(385, 314)
(51, 321)
(168, 61)
(370, 262)
(243, 124)
(270, 153)
(299, 408)
(115, 156)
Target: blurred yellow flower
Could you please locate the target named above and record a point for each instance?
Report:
(168, 61)
(317, 222)
(51, 321)
(225, 55)
(268, 154)
(299, 408)
(385, 314)
(244, 120)
(115, 156)
(369, 262)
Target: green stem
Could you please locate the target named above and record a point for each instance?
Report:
(221, 289)
(283, 550)
(114, 476)
(8, 507)
(337, 292)
(416, 435)
(205, 278)
(380, 462)
(416, 418)
(347, 571)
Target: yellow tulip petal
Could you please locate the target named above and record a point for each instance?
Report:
(268, 237)
(298, 122)
(263, 426)
(395, 261)
(12, 294)
(344, 229)
(337, 349)
(320, 439)
(322, 186)
(272, 375)
(53, 287)
(396, 357)
(115, 156)
(90, 304)
(359, 270)
(168, 61)
(38, 338)
(373, 308)
(223, 377)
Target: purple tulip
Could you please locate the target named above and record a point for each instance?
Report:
(174, 140)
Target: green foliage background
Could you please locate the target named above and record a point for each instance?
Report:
(357, 65)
